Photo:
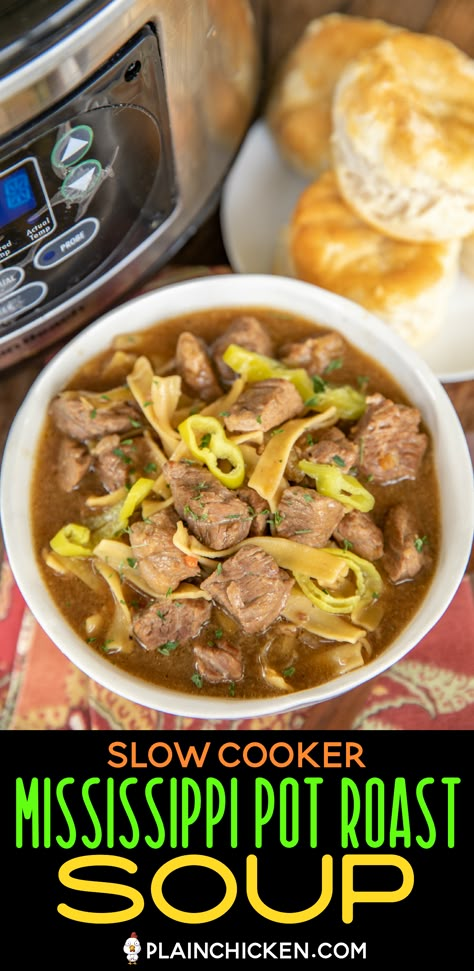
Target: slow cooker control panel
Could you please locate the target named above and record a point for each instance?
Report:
(86, 188)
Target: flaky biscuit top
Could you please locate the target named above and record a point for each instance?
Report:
(299, 105)
(406, 107)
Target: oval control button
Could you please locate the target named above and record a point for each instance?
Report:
(71, 147)
(62, 247)
(81, 180)
(22, 300)
(10, 279)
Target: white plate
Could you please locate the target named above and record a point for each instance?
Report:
(258, 197)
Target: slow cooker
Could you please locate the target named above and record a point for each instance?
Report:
(118, 123)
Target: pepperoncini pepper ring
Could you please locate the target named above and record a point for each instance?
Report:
(72, 540)
(208, 443)
(257, 367)
(334, 484)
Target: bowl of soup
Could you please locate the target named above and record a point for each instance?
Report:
(236, 496)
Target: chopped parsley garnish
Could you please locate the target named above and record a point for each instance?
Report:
(93, 413)
(232, 689)
(190, 514)
(168, 647)
(146, 404)
(307, 497)
(338, 460)
(299, 532)
(127, 441)
(161, 615)
(219, 569)
(277, 431)
(105, 646)
(150, 467)
(205, 441)
(420, 542)
(278, 517)
(218, 634)
(104, 397)
(347, 544)
(318, 383)
(169, 592)
(132, 562)
(197, 680)
(119, 452)
(223, 414)
(333, 365)
(90, 640)
(309, 440)
(362, 379)
(289, 672)
(135, 424)
(259, 419)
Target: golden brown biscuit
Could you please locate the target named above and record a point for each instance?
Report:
(405, 284)
(299, 106)
(403, 142)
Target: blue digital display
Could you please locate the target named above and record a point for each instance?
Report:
(16, 196)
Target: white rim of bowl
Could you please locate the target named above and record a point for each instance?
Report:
(242, 291)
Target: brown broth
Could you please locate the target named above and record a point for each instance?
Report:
(51, 509)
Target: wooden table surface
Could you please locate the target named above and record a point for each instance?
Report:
(452, 19)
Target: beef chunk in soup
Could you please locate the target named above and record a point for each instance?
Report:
(251, 587)
(72, 464)
(213, 513)
(307, 517)
(258, 510)
(117, 462)
(159, 561)
(246, 331)
(333, 448)
(402, 559)
(219, 662)
(313, 354)
(264, 405)
(75, 413)
(111, 462)
(194, 365)
(391, 447)
(358, 532)
(166, 623)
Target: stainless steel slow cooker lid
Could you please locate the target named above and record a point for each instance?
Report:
(30, 27)
(44, 59)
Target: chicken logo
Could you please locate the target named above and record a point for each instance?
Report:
(132, 948)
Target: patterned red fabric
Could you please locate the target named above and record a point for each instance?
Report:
(432, 688)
